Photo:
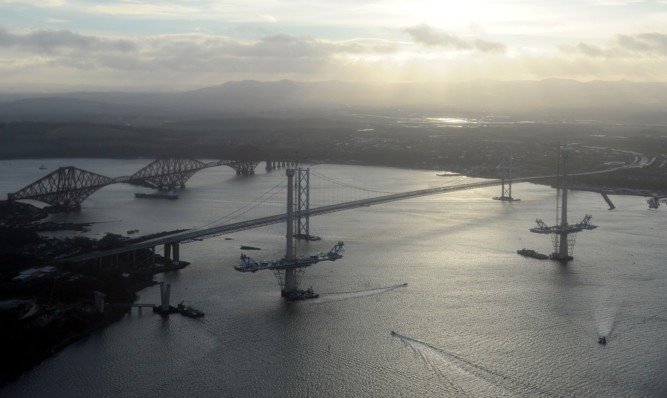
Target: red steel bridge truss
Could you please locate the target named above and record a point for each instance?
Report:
(68, 187)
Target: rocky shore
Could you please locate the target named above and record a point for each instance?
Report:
(45, 307)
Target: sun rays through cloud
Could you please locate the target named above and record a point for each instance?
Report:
(207, 42)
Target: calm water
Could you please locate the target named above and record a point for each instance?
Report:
(475, 320)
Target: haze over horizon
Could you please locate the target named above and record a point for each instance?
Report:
(180, 45)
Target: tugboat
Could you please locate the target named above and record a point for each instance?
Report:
(301, 294)
(189, 311)
(532, 253)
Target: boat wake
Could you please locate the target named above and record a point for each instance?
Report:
(350, 295)
(605, 328)
(604, 315)
(467, 378)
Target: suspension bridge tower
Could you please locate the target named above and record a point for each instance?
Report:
(563, 234)
(290, 284)
(506, 176)
(290, 269)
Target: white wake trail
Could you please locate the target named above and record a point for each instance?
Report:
(350, 295)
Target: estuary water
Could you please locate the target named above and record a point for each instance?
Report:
(474, 320)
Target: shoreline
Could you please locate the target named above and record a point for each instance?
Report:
(26, 343)
(76, 323)
(17, 335)
(44, 308)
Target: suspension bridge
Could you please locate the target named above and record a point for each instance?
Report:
(288, 269)
(302, 213)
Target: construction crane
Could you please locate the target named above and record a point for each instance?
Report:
(290, 268)
(285, 266)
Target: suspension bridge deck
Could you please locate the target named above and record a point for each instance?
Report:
(204, 233)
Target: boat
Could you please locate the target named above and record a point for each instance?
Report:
(602, 340)
(300, 294)
(532, 253)
(170, 195)
(307, 237)
(189, 311)
(42, 167)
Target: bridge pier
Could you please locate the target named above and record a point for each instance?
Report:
(606, 198)
(290, 273)
(99, 298)
(176, 251)
(169, 249)
(165, 291)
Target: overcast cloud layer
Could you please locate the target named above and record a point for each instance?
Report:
(182, 44)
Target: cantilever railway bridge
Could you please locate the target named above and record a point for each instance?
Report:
(68, 187)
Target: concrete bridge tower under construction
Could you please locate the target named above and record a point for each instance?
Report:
(563, 234)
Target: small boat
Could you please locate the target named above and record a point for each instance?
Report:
(189, 311)
(602, 340)
(42, 167)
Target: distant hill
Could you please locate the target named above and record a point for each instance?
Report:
(552, 99)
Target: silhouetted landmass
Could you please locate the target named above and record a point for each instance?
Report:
(552, 100)
(44, 308)
(391, 125)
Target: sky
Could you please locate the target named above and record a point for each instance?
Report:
(184, 44)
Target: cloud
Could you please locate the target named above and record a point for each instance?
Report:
(144, 9)
(35, 3)
(48, 55)
(58, 41)
(56, 20)
(193, 53)
(431, 37)
(624, 46)
(268, 18)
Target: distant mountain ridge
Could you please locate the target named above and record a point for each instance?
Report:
(552, 96)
